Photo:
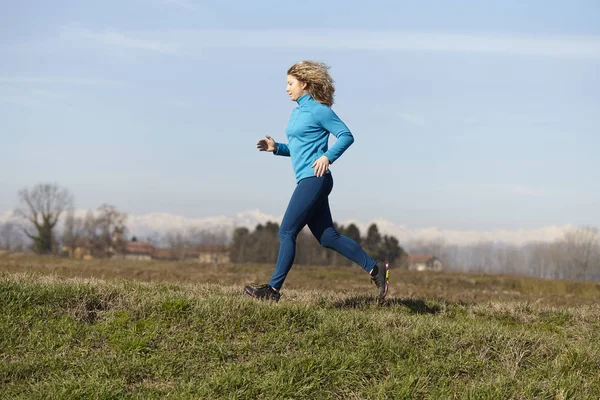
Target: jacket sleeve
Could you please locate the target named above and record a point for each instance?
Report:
(334, 125)
(282, 150)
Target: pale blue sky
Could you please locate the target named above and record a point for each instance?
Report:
(466, 114)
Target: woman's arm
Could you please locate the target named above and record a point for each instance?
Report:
(281, 149)
(334, 125)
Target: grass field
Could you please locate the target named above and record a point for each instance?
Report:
(146, 330)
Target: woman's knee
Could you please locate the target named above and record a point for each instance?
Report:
(287, 235)
(329, 238)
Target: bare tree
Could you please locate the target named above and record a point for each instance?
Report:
(575, 256)
(178, 243)
(197, 237)
(42, 206)
(101, 235)
(582, 252)
(73, 233)
(110, 225)
(88, 232)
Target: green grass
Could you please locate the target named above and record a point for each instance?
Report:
(76, 338)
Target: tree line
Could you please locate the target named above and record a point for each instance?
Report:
(576, 255)
(262, 246)
(100, 233)
(103, 232)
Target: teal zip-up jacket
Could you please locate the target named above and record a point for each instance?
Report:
(308, 132)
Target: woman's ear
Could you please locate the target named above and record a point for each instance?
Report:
(304, 85)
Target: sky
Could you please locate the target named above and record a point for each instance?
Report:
(467, 115)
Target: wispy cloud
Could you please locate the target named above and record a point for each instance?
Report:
(49, 94)
(179, 103)
(185, 4)
(413, 119)
(192, 42)
(115, 39)
(473, 120)
(529, 45)
(514, 118)
(36, 91)
(519, 189)
(19, 100)
(32, 97)
(55, 80)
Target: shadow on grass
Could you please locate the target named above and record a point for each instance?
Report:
(417, 306)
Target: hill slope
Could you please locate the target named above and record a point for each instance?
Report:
(74, 338)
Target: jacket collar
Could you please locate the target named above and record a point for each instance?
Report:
(304, 99)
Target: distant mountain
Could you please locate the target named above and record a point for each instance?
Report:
(153, 224)
(148, 224)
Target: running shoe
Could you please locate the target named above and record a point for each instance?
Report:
(380, 276)
(262, 292)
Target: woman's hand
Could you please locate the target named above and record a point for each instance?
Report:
(266, 145)
(321, 166)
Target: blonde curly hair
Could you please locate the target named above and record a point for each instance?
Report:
(319, 83)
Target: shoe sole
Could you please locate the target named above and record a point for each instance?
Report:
(249, 293)
(387, 276)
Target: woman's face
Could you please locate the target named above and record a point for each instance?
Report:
(295, 88)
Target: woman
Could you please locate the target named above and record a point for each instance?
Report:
(311, 86)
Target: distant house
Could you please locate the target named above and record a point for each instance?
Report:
(423, 262)
(77, 252)
(138, 251)
(209, 254)
(167, 254)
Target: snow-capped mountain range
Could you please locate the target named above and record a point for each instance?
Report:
(151, 224)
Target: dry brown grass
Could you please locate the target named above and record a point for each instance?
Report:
(451, 287)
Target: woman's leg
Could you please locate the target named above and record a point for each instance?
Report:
(321, 226)
(307, 197)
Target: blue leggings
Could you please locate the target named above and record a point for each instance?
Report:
(309, 205)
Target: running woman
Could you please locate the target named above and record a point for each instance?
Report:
(310, 85)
